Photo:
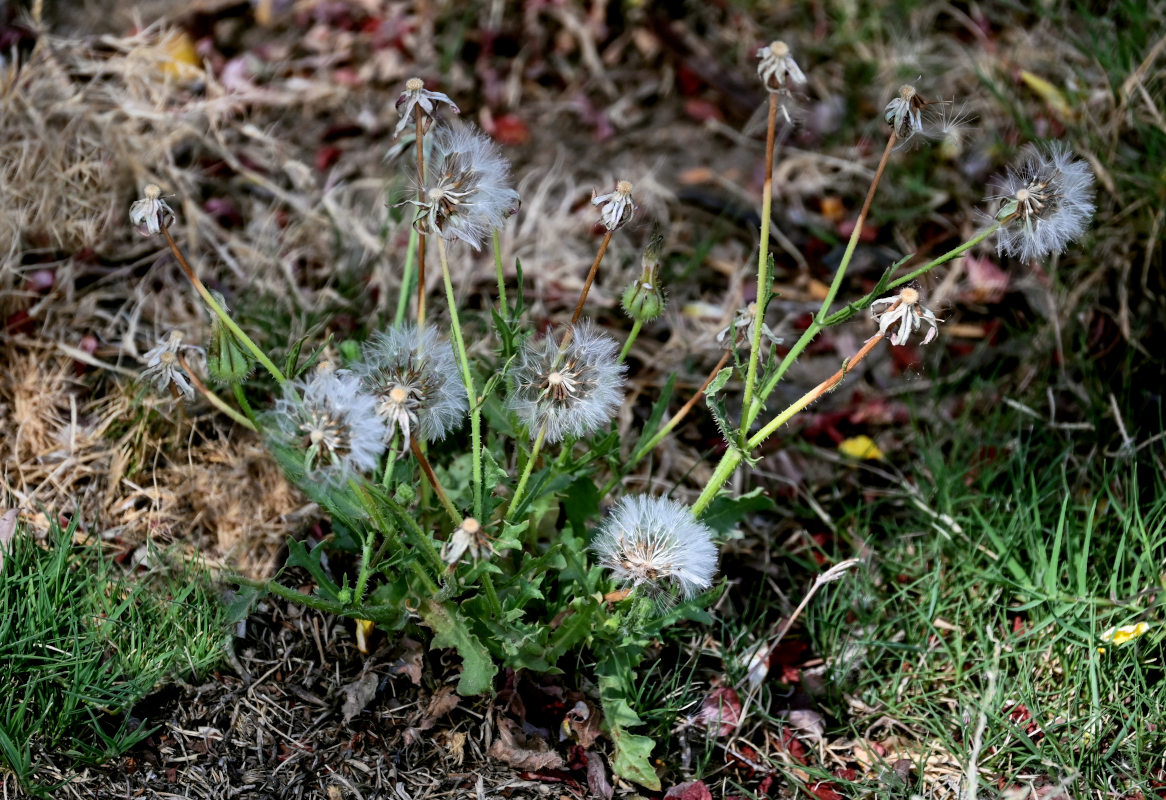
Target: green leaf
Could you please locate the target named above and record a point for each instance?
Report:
(478, 669)
(581, 504)
(718, 383)
(300, 556)
(241, 604)
(633, 758)
(725, 512)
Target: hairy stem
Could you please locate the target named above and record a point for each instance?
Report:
(421, 243)
(762, 262)
(467, 377)
(520, 489)
(627, 346)
(501, 277)
(431, 476)
(221, 313)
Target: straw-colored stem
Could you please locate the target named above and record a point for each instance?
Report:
(762, 262)
(520, 489)
(214, 399)
(420, 117)
(431, 476)
(467, 378)
(219, 311)
(587, 283)
(732, 459)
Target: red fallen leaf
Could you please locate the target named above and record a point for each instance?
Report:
(702, 110)
(846, 774)
(510, 129)
(688, 81)
(824, 790)
(744, 757)
(693, 790)
(720, 711)
(765, 785)
(18, 322)
(793, 746)
(327, 156)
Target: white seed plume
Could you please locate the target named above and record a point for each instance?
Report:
(777, 67)
(571, 391)
(1046, 202)
(151, 213)
(615, 207)
(653, 541)
(333, 422)
(907, 312)
(417, 96)
(414, 377)
(466, 193)
(162, 367)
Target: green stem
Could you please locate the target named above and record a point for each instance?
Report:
(762, 263)
(365, 569)
(390, 462)
(407, 278)
(213, 398)
(420, 120)
(520, 490)
(725, 469)
(492, 595)
(209, 299)
(467, 377)
(631, 339)
(279, 590)
(501, 278)
(948, 256)
(241, 399)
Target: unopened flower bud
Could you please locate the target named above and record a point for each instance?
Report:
(643, 300)
(227, 360)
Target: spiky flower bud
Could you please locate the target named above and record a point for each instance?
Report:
(331, 421)
(163, 368)
(465, 193)
(417, 96)
(414, 378)
(777, 67)
(571, 391)
(227, 360)
(151, 213)
(651, 542)
(1046, 202)
(907, 311)
(615, 207)
(643, 300)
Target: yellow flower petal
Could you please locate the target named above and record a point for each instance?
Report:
(364, 628)
(860, 447)
(1126, 633)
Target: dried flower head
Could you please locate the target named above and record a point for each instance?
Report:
(1047, 200)
(332, 421)
(652, 541)
(569, 391)
(416, 96)
(470, 538)
(414, 378)
(163, 368)
(739, 333)
(905, 113)
(777, 67)
(615, 207)
(151, 214)
(466, 193)
(906, 311)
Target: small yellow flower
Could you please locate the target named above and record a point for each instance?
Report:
(1125, 633)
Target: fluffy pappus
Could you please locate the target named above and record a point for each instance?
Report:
(569, 391)
(1046, 202)
(414, 379)
(651, 542)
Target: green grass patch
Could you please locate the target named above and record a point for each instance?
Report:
(81, 642)
(981, 626)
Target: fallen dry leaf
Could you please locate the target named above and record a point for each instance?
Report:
(720, 712)
(582, 723)
(597, 780)
(409, 662)
(358, 694)
(528, 753)
(7, 531)
(693, 790)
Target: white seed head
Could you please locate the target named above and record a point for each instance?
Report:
(151, 214)
(466, 191)
(615, 207)
(903, 314)
(653, 542)
(905, 112)
(163, 368)
(333, 422)
(1046, 201)
(414, 378)
(777, 68)
(416, 96)
(571, 391)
